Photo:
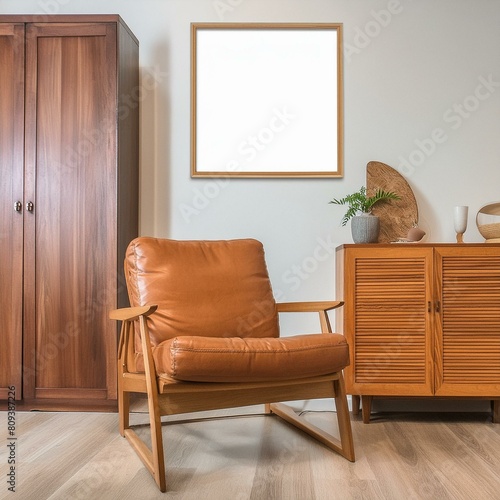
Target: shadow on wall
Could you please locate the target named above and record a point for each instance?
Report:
(155, 145)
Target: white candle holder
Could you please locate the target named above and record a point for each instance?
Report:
(460, 215)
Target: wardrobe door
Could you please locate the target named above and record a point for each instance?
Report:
(11, 206)
(70, 230)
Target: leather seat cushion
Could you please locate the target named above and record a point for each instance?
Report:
(235, 359)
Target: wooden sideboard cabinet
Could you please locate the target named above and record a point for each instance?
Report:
(421, 320)
(69, 132)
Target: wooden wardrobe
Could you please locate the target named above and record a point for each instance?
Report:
(69, 131)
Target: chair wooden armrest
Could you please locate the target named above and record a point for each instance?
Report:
(132, 313)
(320, 307)
(127, 315)
(308, 306)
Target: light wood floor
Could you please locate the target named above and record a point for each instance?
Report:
(399, 456)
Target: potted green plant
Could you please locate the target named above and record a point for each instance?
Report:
(364, 226)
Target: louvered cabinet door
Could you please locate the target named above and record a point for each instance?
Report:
(468, 321)
(387, 321)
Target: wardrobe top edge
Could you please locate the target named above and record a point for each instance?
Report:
(66, 18)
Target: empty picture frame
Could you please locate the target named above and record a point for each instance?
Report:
(266, 100)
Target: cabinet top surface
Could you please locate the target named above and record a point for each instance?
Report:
(418, 245)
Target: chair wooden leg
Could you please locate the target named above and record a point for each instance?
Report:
(123, 411)
(152, 458)
(123, 396)
(123, 404)
(157, 443)
(344, 419)
(345, 445)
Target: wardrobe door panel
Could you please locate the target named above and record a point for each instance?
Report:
(11, 206)
(71, 181)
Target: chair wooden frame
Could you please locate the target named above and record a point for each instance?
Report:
(168, 397)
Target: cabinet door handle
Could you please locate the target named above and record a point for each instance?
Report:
(18, 206)
(437, 306)
(29, 206)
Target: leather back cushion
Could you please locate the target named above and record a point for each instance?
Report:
(202, 288)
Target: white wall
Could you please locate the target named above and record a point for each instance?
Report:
(406, 74)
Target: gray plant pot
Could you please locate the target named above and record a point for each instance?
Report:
(365, 228)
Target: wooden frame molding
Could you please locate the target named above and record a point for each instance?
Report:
(266, 100)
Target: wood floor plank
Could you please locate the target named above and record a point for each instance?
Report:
(66, 456)
(334, 477)
(282, 467)
(464, 455)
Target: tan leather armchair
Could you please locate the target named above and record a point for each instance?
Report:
(202, 333)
